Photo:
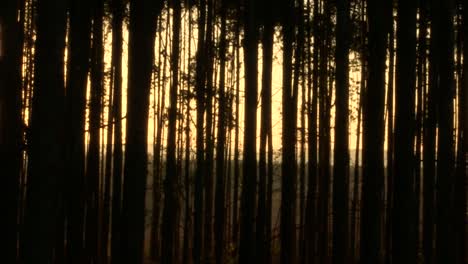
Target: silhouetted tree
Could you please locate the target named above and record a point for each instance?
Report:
(77, 69)
(373, 135)
(143, 14)
(247, 247)
(46, 167)
(168, 227)
(219, 228)
(341, 149)
(116, 60)
(263, 238)
(445, 145)
(11, 40)
(404, 229)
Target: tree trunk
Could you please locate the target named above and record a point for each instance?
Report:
(404, 229)
(265, 133)
(429, 141)
(10, 122)
(390, 142)
(220, 147)
(311, 215)
(200, 155)
(78, 66)
(373, 138)
(288, 166)
(142, 29)
(445, 153)
(341, 149)
(247, 247)
(117, 39)
(235, 197)
(168, 227)
(47, 133)
(92, 157)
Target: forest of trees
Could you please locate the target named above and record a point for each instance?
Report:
(233, 131)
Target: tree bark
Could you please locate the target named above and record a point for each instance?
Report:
(10, 122)
(47, 133)
(78, 67)
(373, 138)
(341, 149)
(168, 227)
(143, 14)
(445, 152)
(220, 147)
(247, 247)
(404, 229)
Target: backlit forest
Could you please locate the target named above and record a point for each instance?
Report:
(233, 131)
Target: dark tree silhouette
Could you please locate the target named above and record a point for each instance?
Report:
(10, 122)
(247, 247)
(141, 52)
(117, 39)
(288, 165)
(77, 68)
(404, 230)
(263, 228)
(221, 144)
(46, 170)
(373, 135)
(92, 156)
(200, 156)
(168, 227)
(341, 152)
(445, 150)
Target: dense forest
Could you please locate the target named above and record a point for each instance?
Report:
(233, 131)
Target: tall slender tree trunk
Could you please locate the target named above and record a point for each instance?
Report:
(445, 144)
(220, 147)
(78, 66)
(187, 172)
(247, 247)
(200, 155)
(404, 229)
(288, 166)
(463, 143)
(341, 149)
(10, 122)
(373, 138)
(142, 29)
(235, 197)
(92, 157)
(157, 161)
(265, 133)
(209, 137)
(117, 39)
(390, 140)
(46, 156)
(310, 215)
(168, 227)
(429, 140)
(324, 134)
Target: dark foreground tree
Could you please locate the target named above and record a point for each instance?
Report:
(10, 122)
(373, 138)
(404, 229)
(169, 227)
(288, 166)
(143, 14)
(46, 169)
(445, 252)
(341, 150)
(247, 236)
(78, 66)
